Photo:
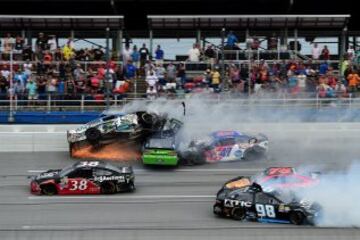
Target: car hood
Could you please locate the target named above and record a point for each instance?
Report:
(50, 174)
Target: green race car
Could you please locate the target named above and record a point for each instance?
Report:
(160, 150)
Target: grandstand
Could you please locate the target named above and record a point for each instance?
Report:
(93, 78)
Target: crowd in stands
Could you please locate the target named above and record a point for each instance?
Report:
(57, 71)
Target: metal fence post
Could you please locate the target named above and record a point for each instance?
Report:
(49, 103)
(82, 103)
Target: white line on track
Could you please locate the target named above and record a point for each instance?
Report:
(120, 197)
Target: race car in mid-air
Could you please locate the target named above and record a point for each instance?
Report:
(86, 177)
(252, 203)
(223, 146)
(134, 127)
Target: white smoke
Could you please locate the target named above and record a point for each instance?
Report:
(338, 194)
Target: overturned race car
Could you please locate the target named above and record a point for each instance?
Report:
(223, 146)
(129, 128)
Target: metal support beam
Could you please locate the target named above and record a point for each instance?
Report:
(198, 36)
(72, 34)
(107, 76)
(225, 84)
(296, 41)
(119, 42)
(286, 36)
(151, 43)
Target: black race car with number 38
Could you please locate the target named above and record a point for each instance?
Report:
(86, 177)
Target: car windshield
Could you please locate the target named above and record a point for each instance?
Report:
(65, 171)
(165, 143)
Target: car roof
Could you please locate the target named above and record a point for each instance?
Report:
(278, 171)
(226, 134)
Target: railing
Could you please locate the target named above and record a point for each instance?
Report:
(82, 104)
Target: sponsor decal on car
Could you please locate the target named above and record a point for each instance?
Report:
(110, 178)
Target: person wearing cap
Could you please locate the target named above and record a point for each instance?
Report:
(215, 79)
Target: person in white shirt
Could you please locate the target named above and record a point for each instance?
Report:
(351, 53)
(52, 44)
(28, 66)
(151, 93)
(152, 79)
(316, 52)
(194, 54)
(126, 54)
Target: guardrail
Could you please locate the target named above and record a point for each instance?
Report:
(82, 104)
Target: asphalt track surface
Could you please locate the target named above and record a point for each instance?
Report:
(168, 203)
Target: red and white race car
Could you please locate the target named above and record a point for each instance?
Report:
(86, 177)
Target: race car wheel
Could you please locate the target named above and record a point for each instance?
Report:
(218, 210)
(48, 189)
(93, 135)
(296, 217)
(132, 187)
(108, 188)
(238, 214)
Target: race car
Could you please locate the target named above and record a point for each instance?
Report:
(252, 203)
(109, 128)
(160, 148)
(278, 179)
(223, 146)
(85, 177)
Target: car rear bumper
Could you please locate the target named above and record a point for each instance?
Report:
(160, 160)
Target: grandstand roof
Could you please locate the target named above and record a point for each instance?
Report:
(248, 21)
(61, 22)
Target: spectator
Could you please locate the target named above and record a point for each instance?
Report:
(21, 76)
(353, 81)
(5, 72)
(51, 85)
(8, 45)
(315, 52)
(325, 53)
(19, 90)
(151, 93)
(4, 84)
(159, 55)
(126, 54)
(148, 67)
(19, 44)
(231, 40)
(350, 53)
(135, 56)
(27, 53)
(41, 44)
(68, 52)
(52, 44)
(98, 54)
(144, 54)
(215, 79)
(152, 80)
(130, 71)
(31, 89)
(79, 73)
(160, 73)
(323, 68)
(171, 73)
(181, 74)
(194, 54)
(210, 55)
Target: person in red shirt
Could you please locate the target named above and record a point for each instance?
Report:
(325, 53)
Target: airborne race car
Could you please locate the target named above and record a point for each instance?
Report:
(253, 203)
(134, 127)
(223, 146)
(87, 177)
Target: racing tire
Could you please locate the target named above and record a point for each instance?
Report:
(238, 214)
(49, 190)
(108, 188)
(132, 187)
(217, 210)
(93, 135)
(296, 217)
